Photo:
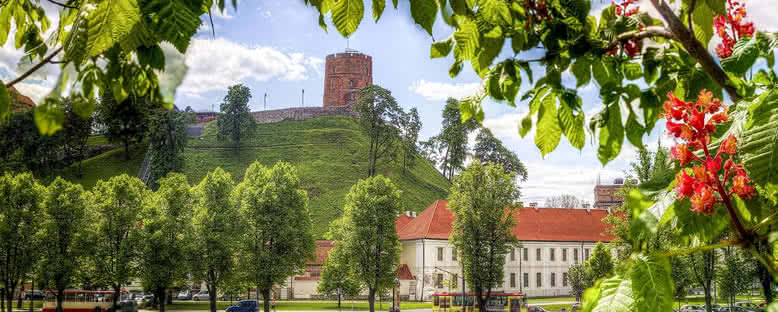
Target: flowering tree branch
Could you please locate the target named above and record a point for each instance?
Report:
(695, 48)
(648, 32)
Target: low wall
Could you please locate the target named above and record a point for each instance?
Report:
(301, 113)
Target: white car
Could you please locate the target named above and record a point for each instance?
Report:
(692, 308)
(203, 295)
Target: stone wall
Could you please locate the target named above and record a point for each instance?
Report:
(301, 113)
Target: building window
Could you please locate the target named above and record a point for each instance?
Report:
(553, 279)
(453, 254)
(575, 255)
(526, 254)
(513, 254)
(455, 281)
(439, 281)
(352, 84)
(537, 254)
(440, 253)
(564, 279)
(586, 255)
(513, 280)
(526, 280)
(552, 254)
(538, 279)
(564, 254)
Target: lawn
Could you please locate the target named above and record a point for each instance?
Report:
(302, 305)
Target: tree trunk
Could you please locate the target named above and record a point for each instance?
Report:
(708, 261)
(169, 298)
(116, 293)
(371, 299)
(19, 298)
(481, 301)
(9, 296)
(60, 296)
(265, 299)
(212, 298)
(2, 300)
(339, 296)
(126, 150)
(161, 298)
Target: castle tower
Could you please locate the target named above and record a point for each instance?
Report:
(345, 74)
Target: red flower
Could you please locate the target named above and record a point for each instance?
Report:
(740, 186)
(682, 153)
(723, 51)
(700, 174)
(720, 117)
(684, 184)
(713, 164)
(728, 164)
(703, 200)
(729, 146)
(632, 48)
(697, 121)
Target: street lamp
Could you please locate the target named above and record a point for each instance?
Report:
(394, 296)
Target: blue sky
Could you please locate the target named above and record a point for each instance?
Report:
(276, 47)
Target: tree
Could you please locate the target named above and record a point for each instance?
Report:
(337, 277)
(20, 212)
(482, 200)
(215, 229)
(452, 142)
(125, 121)
(601, 262)
(235, 120)
(278, 238)
(567, 201)
(63, 227)
(379, 115)
(76, 129)
(579, 279)
(167, 139)
(115, 235)
(409, 127)
(702, 265)
(734, 276)
(23, 147)
(165, 236)
(366, 233)
(489, 149)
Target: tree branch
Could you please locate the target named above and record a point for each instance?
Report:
(695, 48)
(692, 4)
(650, 31)
(34, 68)
(63, 4)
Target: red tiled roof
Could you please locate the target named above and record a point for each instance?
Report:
(404, 273)
(433, 222)
(307, 278)
(401, 221)
(322, 250)
(541, 224)
(19, 102)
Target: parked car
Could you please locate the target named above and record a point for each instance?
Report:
(536, 309)
(733, 309)
(34, 295)
(692, 308)
(748, 306)
(203, 295)
(244, 306)
(184, 295)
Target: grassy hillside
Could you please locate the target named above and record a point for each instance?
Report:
(329, 153)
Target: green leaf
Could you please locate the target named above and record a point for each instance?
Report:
(322, 23)
(652, 284)
(743, 56)
(151, 56)
(424, 13)
(5, 102)
(5, 25)
(378, 8)
(458, 6)
(75, 43)
(441, 48)
(109, 23)
(549, 132)
(632, 71)
(490, 47)
(643, 224)
(615, 294)
(611, 135)
(174, 21)
(495, 12)
(394, 3)
(651, 106)
(634, 131)
(582, 70)
(518, 40)
(493, 83)
(572, 124)
(526, 125)
(49, 116)
(604, 71)
(455, 68)
(759, 142)
(702, 17)
(467, 39)
(718, 6)
(347, 15)
(527, 70)
(510, 80)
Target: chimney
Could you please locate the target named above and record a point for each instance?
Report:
(586, 205)
(533, 205)
(413, 214)
(588, 210)
(407, 213)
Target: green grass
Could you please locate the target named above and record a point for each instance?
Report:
(97, 139)
(302, 305)
(330, 154)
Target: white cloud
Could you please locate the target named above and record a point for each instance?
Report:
(267, 14)
(546, 180)
(507, 125)
(762, 13)
(440, 91)
(35, 91)
(219, 63)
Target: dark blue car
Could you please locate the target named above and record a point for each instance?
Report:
(244, 306)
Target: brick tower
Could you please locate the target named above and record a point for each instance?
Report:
(345, 74)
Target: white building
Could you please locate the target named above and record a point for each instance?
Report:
(551, 239)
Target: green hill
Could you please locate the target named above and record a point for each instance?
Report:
(329, 153)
